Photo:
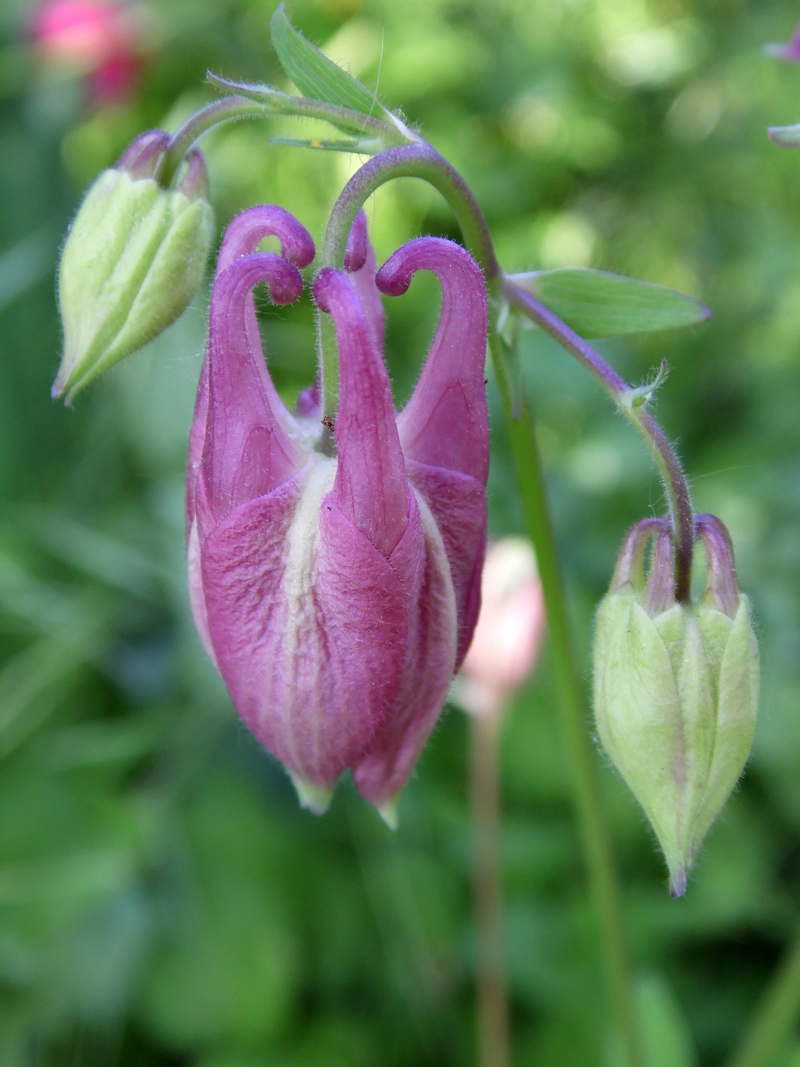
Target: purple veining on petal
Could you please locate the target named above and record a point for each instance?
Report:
(246, 451)
(445, 423)
(371, 483)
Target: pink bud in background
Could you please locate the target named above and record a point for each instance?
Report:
(506, 642)
(337, 593)
(98, 39)
(789, 52)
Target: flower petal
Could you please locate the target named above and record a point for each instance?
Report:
(242, 238)
(421, 564)
(445, 423)
(308, 622)
(246, 451)
(371, 484)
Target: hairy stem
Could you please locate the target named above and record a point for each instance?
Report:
(672, 475)
(228, 109)
(494, 1035)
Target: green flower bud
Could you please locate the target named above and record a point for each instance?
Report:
(134, 258)
(676, 687)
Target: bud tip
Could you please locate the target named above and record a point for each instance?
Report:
(313, 798)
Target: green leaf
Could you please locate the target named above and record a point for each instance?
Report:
(314, 74)
(595, 303)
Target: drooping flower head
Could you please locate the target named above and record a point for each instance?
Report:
(337, 594)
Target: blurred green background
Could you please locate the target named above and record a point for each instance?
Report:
(163, 901)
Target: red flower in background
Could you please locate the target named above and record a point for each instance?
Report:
(99, 39)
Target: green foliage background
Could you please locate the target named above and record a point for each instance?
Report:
(162, 899)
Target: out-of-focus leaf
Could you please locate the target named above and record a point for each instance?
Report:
(596, 303)
(665, 1036)
(25, 263)
(314, 74)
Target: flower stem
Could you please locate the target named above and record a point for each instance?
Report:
(228, 109)
(775, 1015)
(422, 161)
(494, 1036)
(672, 475)
(589, 802)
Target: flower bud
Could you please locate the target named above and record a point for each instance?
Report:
(676, 687)
(133, 260)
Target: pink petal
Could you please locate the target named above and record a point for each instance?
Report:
(421, 564)
(371, 484)
(445, 423)
(308, 622)
(360, 262)
(246, 451)
(458, 505)
(242, 238)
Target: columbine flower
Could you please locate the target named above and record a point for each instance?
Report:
(676, 687)
(337, 594)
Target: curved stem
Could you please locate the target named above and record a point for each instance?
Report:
(410, 161)
(672, 475)
(422, 161)
(227, 110)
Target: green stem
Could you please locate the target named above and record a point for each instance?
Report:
(776, 1014)
(494, 1031)
(595, 834)
(227, 110)
(422, 161)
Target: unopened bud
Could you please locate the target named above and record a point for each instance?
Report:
(134, 258)
(676, 687)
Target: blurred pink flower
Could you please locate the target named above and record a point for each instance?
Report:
(98, 39)
(510, 626)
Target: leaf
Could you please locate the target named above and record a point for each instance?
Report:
(596, 303)
(314, 74)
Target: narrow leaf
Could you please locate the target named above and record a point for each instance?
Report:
(335, 145)
(314, 74)
(598, 304)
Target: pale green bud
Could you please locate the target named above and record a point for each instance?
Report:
(676, 688)
(134, 258)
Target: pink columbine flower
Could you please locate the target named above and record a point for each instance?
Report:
(508, 635)
(337, 593)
